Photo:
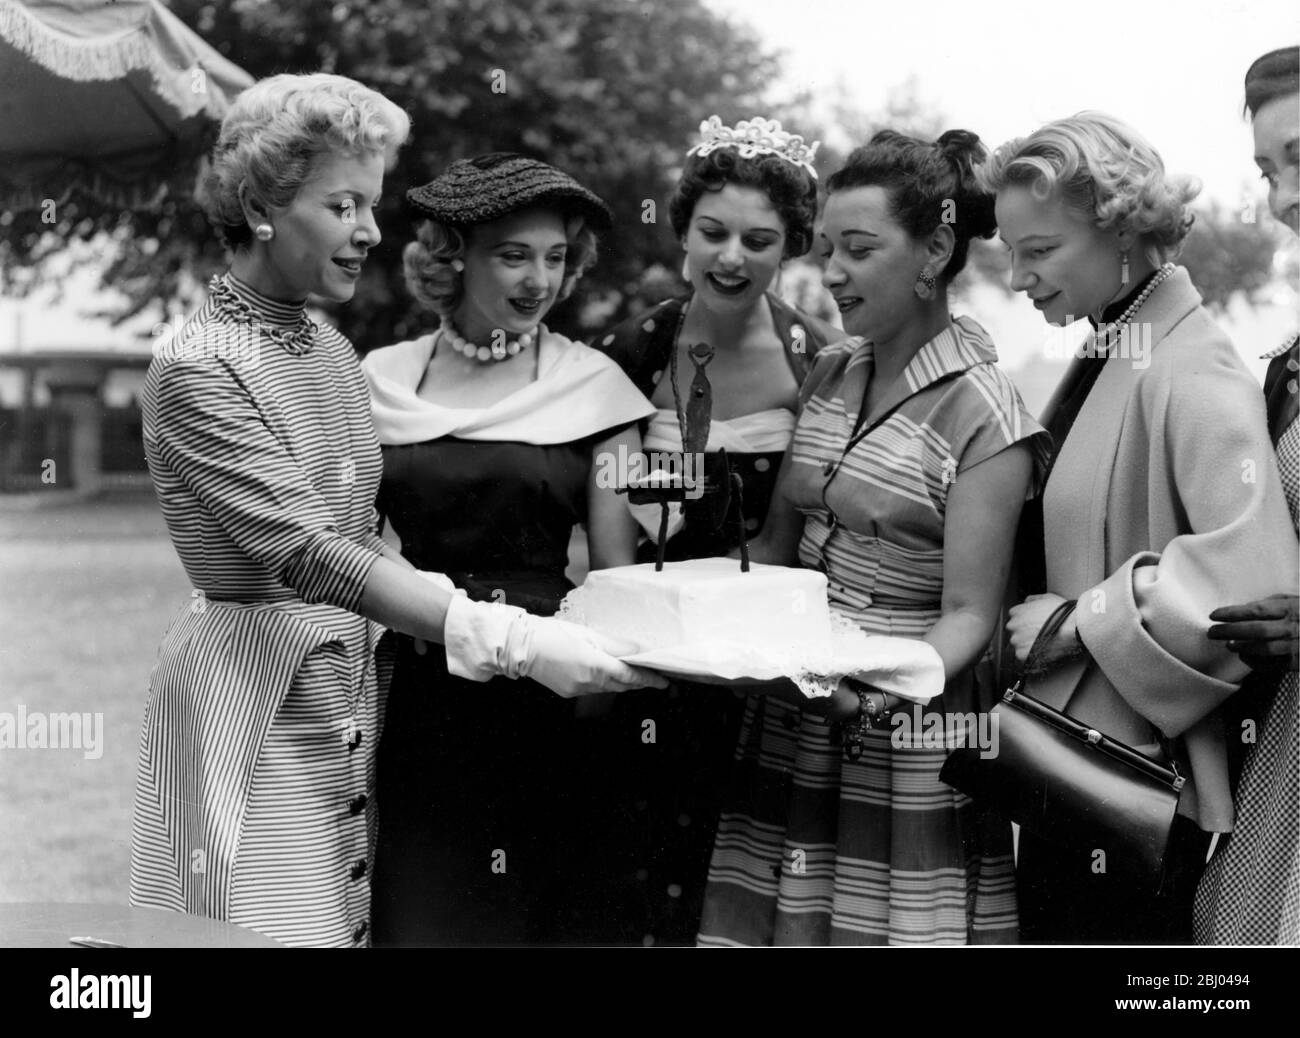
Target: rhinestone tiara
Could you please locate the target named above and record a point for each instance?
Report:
(757, 136)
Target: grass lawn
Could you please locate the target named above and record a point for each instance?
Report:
(86, 592)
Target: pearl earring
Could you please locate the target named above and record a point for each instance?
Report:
(458, 265)
(264, 232)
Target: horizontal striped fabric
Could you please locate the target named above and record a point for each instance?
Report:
(814, 849)
(255, 795)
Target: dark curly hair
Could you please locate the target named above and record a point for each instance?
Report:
(791, 190)
(928, 183)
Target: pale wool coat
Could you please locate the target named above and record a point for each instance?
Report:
(1166, 503)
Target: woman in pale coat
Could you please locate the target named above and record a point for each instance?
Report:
(1164, 486)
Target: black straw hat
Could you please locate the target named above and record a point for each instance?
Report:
(488, 187)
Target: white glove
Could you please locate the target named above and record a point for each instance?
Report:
(572, 660)
(484, 639)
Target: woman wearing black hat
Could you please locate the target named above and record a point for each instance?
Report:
(492, 430)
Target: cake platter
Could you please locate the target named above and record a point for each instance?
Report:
(905, 667)
(708, 621)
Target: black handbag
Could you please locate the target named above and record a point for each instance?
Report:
(1070, 784)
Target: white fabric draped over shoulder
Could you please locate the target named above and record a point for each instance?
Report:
(578, 392)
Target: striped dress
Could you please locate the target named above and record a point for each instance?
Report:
(816, 849)
(254, 798)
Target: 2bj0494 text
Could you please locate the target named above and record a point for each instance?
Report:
(1191, 980)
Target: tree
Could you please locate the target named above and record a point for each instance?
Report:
(611, 92)
(1230, 251)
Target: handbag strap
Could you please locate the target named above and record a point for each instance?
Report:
(1033, 662)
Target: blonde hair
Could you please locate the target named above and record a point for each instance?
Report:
(438, 286)
(275, 132)
(1105, 169)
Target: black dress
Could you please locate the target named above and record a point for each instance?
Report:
(480, 799)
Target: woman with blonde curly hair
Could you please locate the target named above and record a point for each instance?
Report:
(1162, 487)
(255, 795)
(494, 432)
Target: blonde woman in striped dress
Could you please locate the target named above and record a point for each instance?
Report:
(255, 793)
(910, 462)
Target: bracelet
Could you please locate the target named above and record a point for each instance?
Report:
(852, 734)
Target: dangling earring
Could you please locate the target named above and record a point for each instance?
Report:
(924, 284)
(264, 232)
(1123, 268)
(686, 267)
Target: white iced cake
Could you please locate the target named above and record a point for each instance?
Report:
(775, 609)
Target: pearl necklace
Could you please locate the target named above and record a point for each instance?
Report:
(1162, 274)
(497, 351)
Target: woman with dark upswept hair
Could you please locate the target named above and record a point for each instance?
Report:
(903, 483)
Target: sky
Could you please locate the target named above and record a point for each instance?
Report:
(1002, 67)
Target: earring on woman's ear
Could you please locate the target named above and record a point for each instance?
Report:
(686, 267)
(264, 232)
(1123, 268)
(458, 265)
(925, 284)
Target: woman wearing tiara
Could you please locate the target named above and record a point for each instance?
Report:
(903, 483)
(492, 427)
(745, 203)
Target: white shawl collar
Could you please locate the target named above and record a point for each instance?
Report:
(578, 392)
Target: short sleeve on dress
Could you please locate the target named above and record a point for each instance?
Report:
(997, 419)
